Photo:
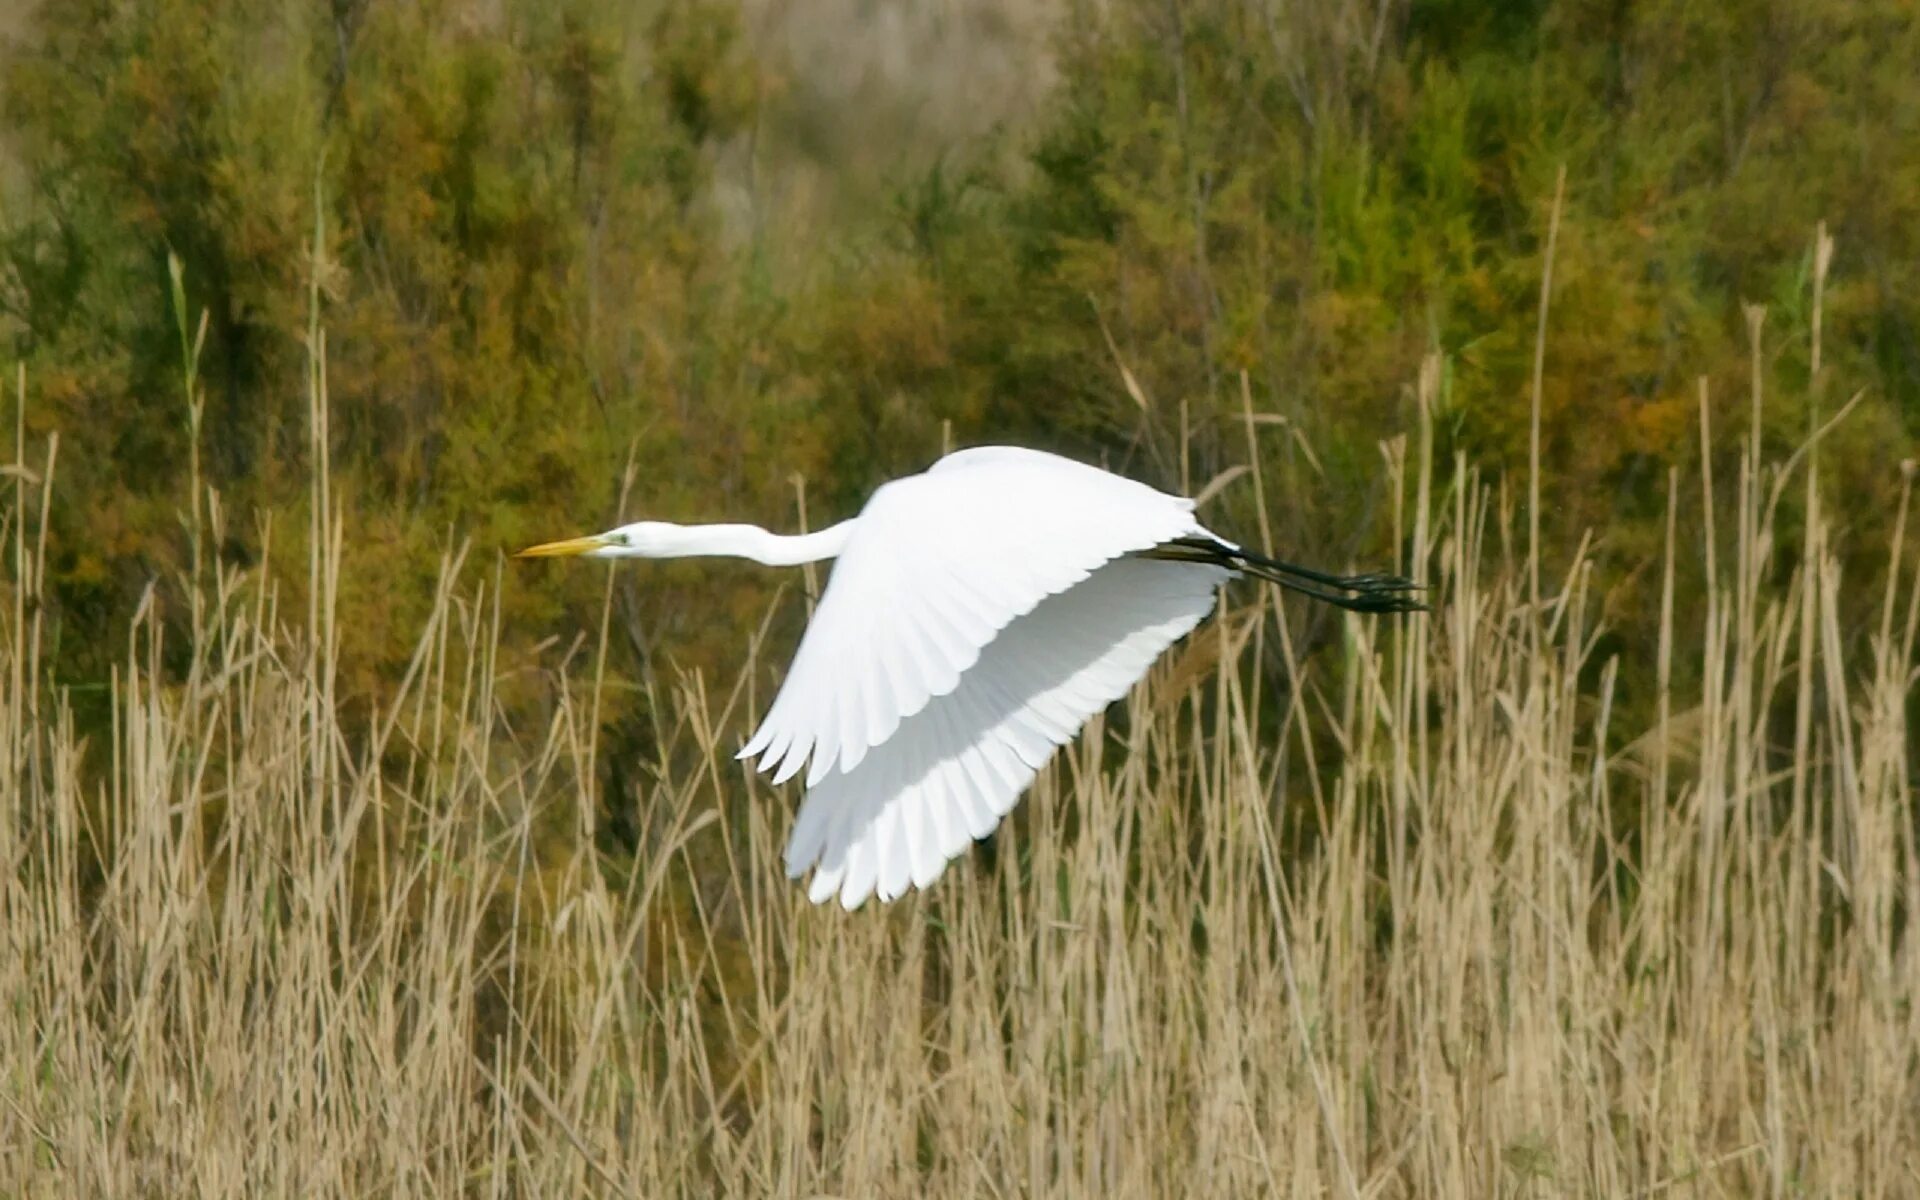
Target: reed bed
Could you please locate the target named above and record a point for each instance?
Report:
(1426, 924)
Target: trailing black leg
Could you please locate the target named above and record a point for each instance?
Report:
(1373, 592)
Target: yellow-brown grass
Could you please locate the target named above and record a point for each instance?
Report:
(1417, 932)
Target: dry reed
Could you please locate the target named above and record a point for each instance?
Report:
(1446, 932)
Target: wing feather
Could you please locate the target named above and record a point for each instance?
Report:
(951, 770)
(937, 566)
(956, 782)
(898, 872)
(949, 826)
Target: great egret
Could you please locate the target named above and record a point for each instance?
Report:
(978, 615)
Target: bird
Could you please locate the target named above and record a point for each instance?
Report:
(978, 614)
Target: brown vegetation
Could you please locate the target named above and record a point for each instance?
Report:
(1445, 932)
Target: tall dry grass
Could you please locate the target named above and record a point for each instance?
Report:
(1448, 932)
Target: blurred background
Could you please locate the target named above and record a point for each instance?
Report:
(739, 245)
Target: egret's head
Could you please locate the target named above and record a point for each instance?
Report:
(642, 539)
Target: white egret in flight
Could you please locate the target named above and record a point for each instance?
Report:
(978, 615)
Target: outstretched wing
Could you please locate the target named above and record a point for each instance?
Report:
(938, 565)
(957, 765)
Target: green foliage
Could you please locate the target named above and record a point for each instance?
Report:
(529, 284)
(1312, 201)
(515, 281)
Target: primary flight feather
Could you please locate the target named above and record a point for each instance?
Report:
(977, 616)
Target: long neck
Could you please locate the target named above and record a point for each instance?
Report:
(753, 542)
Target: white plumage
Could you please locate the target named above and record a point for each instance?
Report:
(955, 765)
(978, 615)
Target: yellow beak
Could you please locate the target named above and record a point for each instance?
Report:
(568, 548)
